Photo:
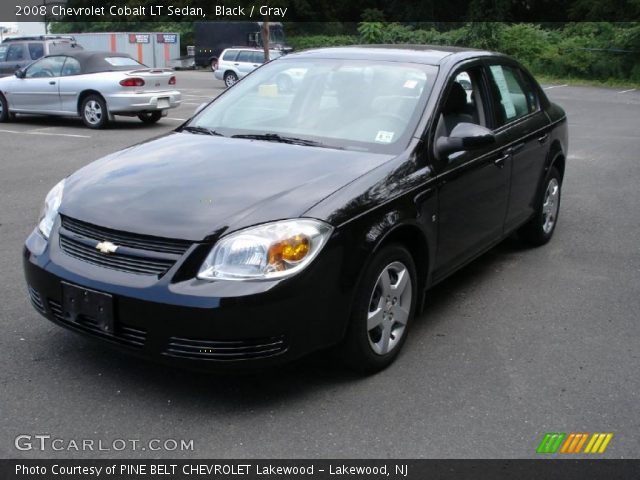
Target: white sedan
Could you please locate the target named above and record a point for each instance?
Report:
(92, 85)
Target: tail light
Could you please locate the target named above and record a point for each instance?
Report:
(132, 82)
(172, 80)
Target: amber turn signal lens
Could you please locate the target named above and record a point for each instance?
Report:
(290, 250)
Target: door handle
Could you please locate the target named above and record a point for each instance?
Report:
(499, 162)
(52, 82)
(543, 138)
(236, 64)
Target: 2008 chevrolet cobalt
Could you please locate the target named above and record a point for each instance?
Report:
(275, 223)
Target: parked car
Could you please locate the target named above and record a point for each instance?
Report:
(235, 63)
(18, 52)
(93, 85)
(269, 226)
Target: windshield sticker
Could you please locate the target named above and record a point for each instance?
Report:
(268, 90)
(410, 84)
(384, 137)
(501, 82)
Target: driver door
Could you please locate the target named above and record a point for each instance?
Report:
(38, 90)
(473, 185)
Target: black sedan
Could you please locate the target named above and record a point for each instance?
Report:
(276, 223)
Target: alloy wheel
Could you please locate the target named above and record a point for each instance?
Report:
(550, 205)
(389, 308)
(93, 112)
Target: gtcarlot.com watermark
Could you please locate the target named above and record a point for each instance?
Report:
(50, 443)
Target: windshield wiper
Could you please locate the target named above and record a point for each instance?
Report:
(274, 137)
(201, 130)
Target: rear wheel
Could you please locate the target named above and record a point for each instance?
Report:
(384, 306)
(150, 117)
(230, 78)
(540, 228)
(4, 110)
(94, 112)
(214, 64)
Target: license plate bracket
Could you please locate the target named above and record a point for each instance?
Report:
(79, 302)
(163, 102)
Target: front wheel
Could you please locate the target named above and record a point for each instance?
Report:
(384, 306)
(4, 109)
(150, 117)
(540, 228)
(94, 112)
(230, 79)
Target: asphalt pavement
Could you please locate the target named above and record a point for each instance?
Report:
(519, 343)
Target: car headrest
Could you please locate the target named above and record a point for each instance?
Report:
(457, 99)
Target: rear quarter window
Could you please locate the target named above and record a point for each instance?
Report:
(230, 55)
(36, 50)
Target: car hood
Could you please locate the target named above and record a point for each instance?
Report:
(192, 186)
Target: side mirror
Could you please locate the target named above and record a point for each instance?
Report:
(464, 136)
(19, 73)
(200, 107)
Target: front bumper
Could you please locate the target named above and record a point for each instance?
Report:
(131, 102)
(196, 324)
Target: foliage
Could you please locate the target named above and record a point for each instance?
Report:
(588, 50)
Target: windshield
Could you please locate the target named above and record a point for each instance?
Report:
(351, 104)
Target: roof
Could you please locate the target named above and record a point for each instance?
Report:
(426, 54)
(93, 61)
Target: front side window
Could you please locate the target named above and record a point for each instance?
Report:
(36, 50)
(15, 53)
(515, 97)
(46, 67)
(353, 104)
(3, 52)
(71, 67)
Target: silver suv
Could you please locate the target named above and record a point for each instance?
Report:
(18, 52)
(235, 63)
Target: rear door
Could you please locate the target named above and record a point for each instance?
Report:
(522, 126)
(38, 91)
(245, 62)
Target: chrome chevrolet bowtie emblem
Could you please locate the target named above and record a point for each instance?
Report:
(106, 247)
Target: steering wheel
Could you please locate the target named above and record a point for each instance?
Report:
(393, 116)
(45, 72)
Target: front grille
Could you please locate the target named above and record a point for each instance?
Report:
(225, 349)
(36, 299)
(140, 254)
(124, 334)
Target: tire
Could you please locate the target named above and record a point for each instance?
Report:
(540, 228)
(150, 117)
(230, 78)
(213, 64)
(381, 313)
(94, 112)
(5, 115)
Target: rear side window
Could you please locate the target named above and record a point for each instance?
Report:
(36, 50)
(71, 67)
(230, 55)
(258, 57)
(16, 52)
(245, 56)
(515, 96)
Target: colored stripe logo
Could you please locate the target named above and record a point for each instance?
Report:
(574, 442)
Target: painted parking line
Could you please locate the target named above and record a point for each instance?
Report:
(556, 86)
(627, 91)
(176, 119)
(36, 132)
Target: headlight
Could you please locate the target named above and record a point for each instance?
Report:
(272, 250)
(50, 209)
